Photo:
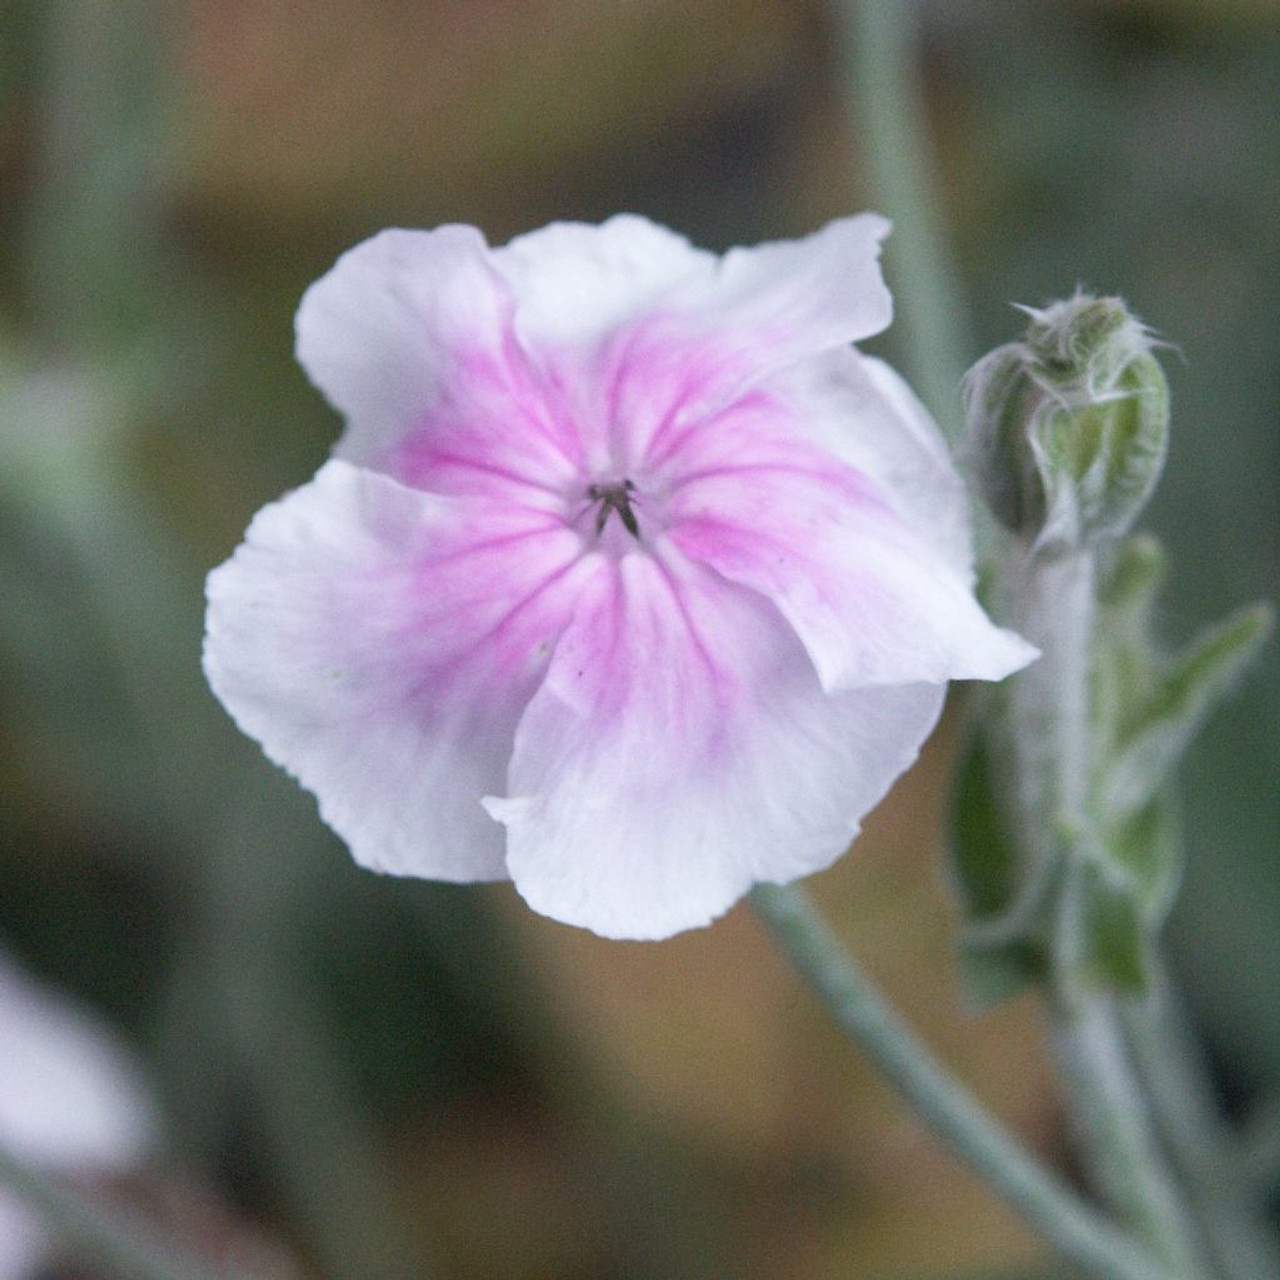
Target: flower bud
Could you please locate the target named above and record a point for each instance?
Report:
(1067, 429)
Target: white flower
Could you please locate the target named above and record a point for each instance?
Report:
(71, 1102)
(631, 579)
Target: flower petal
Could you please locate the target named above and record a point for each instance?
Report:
(409, 336)
(681, 749)
(24, 1242)
(575, 282)
(873, 601)
(380, 332)
(381, 643)
(72, 1100)
(861, 411)
(808, 295)
(71, 1097)
(716, 336)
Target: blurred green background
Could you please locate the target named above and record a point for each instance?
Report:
(368, 1078)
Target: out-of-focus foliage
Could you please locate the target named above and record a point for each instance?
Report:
(390, 1078)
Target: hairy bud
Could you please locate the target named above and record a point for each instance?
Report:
(1067, 429)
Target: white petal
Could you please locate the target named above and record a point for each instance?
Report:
(790, 299)
(23, 1239)
(381, 644)
(575, 283)
(681, 750)
(71, 1098)
(383, 332)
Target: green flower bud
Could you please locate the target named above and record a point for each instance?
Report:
(1068, 428)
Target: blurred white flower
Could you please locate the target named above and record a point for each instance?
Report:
(72, 1102)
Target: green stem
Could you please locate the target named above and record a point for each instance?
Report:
(1047, 719)
(877, 45)
(100, 1233)
(1065, 1221)
(1047, 743)
(1111, 1118)
(1227, 1205)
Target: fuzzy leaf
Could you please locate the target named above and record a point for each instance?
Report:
(1135, 576)
(1002, 905)
(1125, 670)
(1145, 850)
(1113, 950)
(1182, 699)
(982, 857)
(994, 974)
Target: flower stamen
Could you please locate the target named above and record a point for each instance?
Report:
(615, 497)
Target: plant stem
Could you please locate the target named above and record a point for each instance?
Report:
(1112, 1123)
(1228, 1206)
(877, 46)
(98, 1232)
(1048, 702)
(1067, 1223)
(1048, 748)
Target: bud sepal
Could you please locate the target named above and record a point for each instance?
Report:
(1068, 428)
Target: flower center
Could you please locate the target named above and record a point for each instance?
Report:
(615, 497)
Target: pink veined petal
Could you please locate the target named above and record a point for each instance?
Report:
(410, 337)
(714, 337)
(681, 749)
(379, 333)
(860, 411)
(576, 288)
(381, 644)
(873, 601)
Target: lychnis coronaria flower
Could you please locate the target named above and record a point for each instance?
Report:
(630, 578)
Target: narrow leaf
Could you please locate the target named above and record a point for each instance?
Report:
(994, 974)
(1182, 700)
(1145, 851)
(983, 859)
(1113, 951)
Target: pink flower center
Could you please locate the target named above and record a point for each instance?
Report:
(614, 497)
